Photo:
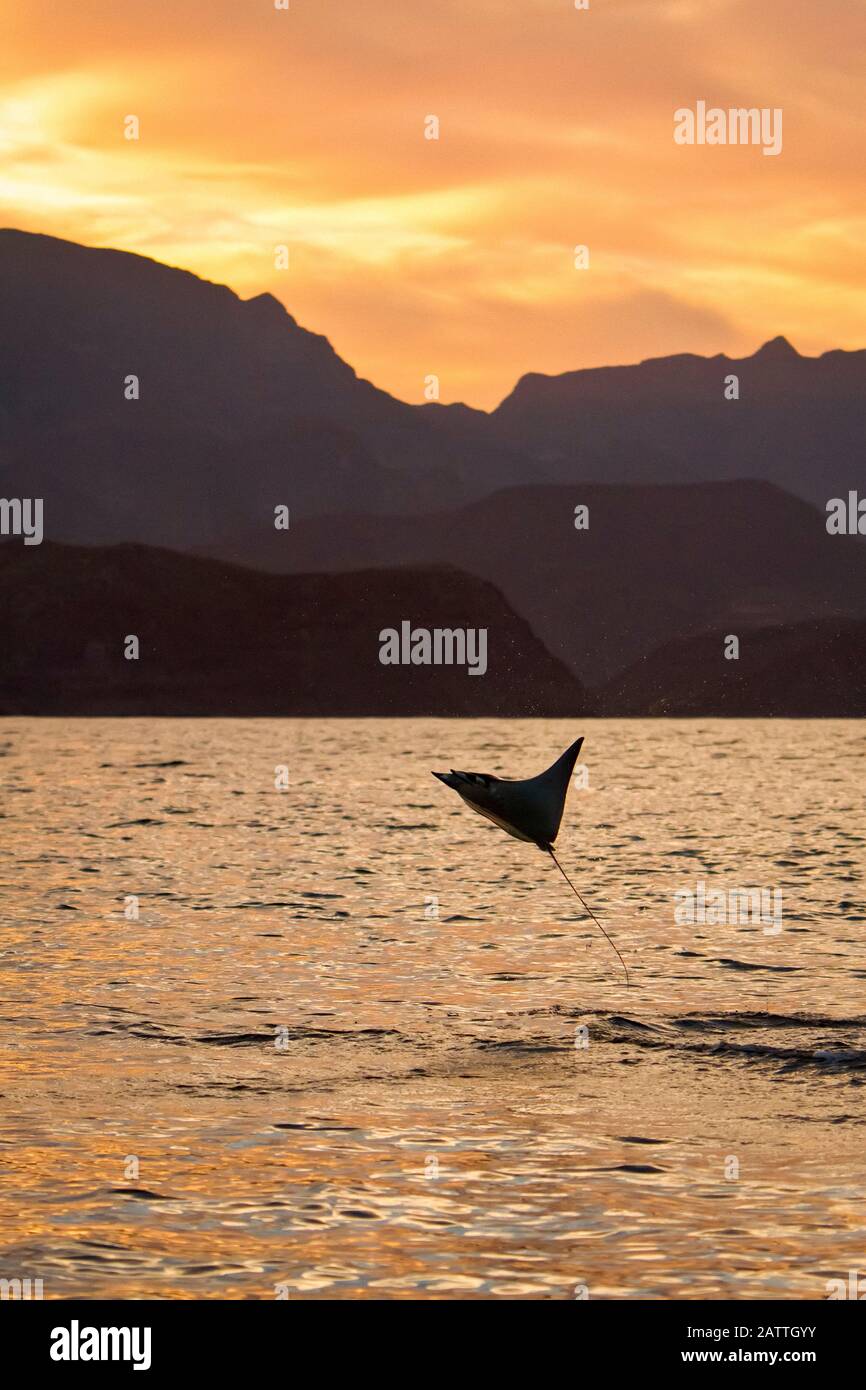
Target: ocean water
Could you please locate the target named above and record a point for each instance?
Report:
(360, 1043)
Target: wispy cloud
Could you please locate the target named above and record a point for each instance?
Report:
(261, 127)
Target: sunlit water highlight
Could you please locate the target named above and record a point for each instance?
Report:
(330, 1092)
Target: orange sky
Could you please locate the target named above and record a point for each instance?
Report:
(455, 257)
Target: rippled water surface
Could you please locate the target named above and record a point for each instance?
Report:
(291, 1076)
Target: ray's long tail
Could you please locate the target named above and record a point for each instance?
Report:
(609, 939)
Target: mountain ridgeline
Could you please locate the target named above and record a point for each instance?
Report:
(217, 639)
(653, 564)
(703, 516)
(240, 409)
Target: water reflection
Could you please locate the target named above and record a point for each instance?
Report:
(320, 1085)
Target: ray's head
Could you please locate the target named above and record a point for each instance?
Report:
(447, 777)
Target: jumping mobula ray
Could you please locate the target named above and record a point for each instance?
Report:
(530, 810)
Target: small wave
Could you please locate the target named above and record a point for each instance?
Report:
(731, 964)
(794, 1041)
(141, 1194)
(170, 762)
(832, 1059)
(628, 1168)
(122, 824)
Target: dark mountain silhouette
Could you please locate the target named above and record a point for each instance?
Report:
(799, 670)
(240, 409)
(656, 562)
(799, 422)
(218, 639)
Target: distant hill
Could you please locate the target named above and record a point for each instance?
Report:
(705, 515)
(216, 639)
(800, 422)
(656, 563)
(800, 670)
(241, 410)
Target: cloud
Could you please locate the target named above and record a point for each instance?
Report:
(306, 127)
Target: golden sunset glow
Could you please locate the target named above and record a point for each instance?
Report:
(262, 127)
